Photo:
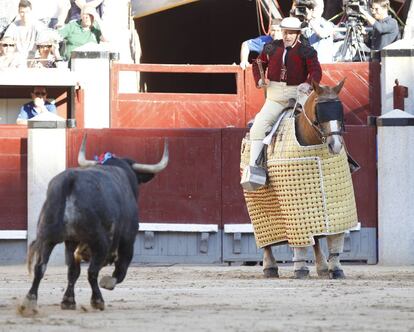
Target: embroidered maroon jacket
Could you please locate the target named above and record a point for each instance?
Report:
(302, 63)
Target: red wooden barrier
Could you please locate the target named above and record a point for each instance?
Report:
(13, 177)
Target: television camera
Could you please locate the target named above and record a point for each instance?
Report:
(353, 47)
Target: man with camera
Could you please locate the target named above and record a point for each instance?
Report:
(384, 28)
(317, 30)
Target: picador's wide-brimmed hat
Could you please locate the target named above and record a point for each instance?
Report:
(290, 23)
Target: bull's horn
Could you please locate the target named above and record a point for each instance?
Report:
(82, 161)
(155, 168)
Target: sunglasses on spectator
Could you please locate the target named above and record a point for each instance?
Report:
(39, 93)
(8, 45)
(44, 46)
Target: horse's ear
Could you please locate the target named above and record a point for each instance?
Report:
(316, 87)
(340, 85)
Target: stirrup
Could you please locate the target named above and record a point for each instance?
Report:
(253, 178)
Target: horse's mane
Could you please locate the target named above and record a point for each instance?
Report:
(305, 133)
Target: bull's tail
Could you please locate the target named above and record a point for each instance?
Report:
(32, 254)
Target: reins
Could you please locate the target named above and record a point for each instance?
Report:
(315, 124)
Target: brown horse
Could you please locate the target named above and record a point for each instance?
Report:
(321, 121)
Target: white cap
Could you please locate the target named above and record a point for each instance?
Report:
(290, 23)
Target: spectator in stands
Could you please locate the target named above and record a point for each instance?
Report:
(38, 105)
(25, 30)
(74, 12)
(45, 54)
(384, 28)
(256, 44)
(319, 32)
(9, 57)
(81, 32)
(51, 13)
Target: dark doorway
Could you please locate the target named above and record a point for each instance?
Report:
(203, 32)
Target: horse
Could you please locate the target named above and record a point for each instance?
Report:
(320, 121)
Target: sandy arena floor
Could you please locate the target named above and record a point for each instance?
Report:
(218, 298)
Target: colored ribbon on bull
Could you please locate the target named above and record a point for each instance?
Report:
(104, 157)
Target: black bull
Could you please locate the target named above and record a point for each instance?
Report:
(94, 211)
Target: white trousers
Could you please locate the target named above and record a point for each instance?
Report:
(278, 95)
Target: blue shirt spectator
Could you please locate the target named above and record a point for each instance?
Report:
(257, 44)
(38, 105)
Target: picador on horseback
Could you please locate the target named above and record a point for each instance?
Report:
(292, 192)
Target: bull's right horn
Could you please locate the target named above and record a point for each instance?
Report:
(82, 161)
(154, 168)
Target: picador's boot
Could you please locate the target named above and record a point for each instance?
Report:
(254, 176)
(353, 165)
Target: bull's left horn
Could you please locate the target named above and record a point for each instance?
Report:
(82, 161)
(155, 168)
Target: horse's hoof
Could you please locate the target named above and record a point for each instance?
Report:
(68, 303)
(28, 308)
(271, 272)
(98, 304)
(302, 273)
(336, 274)
(323, 273)
(107, 282)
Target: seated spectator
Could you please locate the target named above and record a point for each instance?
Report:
(256, 44)
(81, 32)
(45, 54)
(25, 30)
(384, 28)
(9, 57)
(38, 105)
(74, 12)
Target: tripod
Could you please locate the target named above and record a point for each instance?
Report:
(353, 48)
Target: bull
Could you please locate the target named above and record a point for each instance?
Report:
(93, 210)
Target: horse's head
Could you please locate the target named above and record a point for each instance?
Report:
(325, 112)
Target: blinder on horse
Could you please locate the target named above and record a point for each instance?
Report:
(329, 110)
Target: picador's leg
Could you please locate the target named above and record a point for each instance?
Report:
(99, 251)
(256, 147)
(125, 253)
(254, 177)
(270, 269)
(299, 265)
(320, 260)
(68, 301)
(43, 251)
(336, 247)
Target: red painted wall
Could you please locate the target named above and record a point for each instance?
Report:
(13, 177)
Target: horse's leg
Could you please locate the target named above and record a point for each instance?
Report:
(336, 247)
(320, 260)
(299, 262)
(270, 269)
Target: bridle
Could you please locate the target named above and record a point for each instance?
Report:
(326, 110)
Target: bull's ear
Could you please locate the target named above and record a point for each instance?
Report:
(339, 87)
(145, 177)
(316, 87)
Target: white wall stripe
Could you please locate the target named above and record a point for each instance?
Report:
(13, 235)
(158, 227)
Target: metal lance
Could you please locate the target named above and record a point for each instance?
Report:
(262, 74)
